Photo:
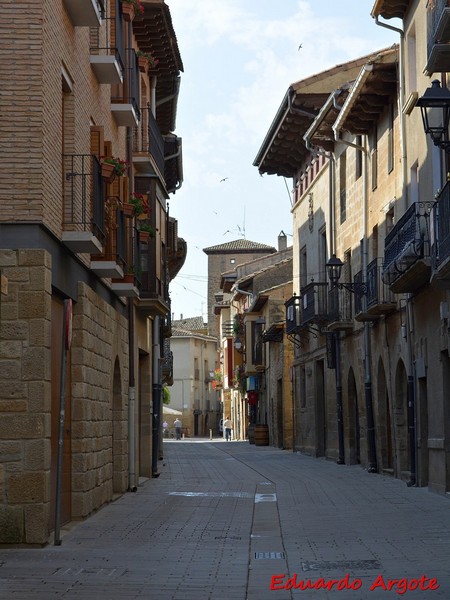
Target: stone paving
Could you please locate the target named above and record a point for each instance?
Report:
(227, 520)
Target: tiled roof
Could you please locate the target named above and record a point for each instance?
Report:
(240, 245)
(190, 324)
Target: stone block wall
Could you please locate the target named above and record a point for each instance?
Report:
(99, 402)
(25, 334)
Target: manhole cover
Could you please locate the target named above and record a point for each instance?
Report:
(259, 555)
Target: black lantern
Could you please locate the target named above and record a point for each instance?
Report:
(435, 108)
(334, 268)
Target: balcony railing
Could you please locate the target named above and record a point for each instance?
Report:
(438, 35)
(314, 303)
(83, 195)
(107, 55)
(407, 247)
(339, 309)
(130, 93)
(148, 138)
(379, 299)
(441, 226)
(293, 314)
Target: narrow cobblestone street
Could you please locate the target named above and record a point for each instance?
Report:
(225, 520)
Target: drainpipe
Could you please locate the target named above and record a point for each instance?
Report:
(132, 487)
(157, 387)
(372, 456)
(410, 391)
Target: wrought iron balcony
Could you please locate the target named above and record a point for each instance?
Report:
(379, 299)
(148, 149)
(167, 364)
(112, 262)
(293, 312)
(339, 309)
(125, 106)
(438, 36)
(314, 303)
(407, 265)
(83, 204)
(440, 250)
(107, 57)
(129, 284)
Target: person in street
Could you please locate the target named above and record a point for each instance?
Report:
(177, 424)
(227, 426)
(165, 429)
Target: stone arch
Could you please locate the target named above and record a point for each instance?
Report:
(385, 445)
(353, 423)
(400, 419)
(119, 433)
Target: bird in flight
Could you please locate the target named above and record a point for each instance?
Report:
(224, 179)
(301, 46)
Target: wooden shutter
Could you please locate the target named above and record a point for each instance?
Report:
(97, 142)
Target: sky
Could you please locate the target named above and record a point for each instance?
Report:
(239, 58)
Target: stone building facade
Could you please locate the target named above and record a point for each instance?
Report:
(371, 357)
(85, 306)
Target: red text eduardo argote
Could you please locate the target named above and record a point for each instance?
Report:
(399, 586)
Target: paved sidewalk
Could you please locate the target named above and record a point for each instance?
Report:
(227, 520)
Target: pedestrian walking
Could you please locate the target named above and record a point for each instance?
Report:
(165, 429)
(177, 424)
(227, 425)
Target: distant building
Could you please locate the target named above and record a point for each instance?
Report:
(194, 362)
(223, 258)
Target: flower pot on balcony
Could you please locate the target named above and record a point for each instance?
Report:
(144, 236)
(108, 172)
(143, 63)
(128, 11)
(128, 209)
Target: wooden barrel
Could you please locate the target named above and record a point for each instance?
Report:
(251, 433)
(261, 435)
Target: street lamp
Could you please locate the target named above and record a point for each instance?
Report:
(435, 108)
(238, 344)
(334, 269)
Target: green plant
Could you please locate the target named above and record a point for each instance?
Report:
(165, 394)
(153, 61)
(120, 166)
(137, 200)
(138, 6)
(148, 228)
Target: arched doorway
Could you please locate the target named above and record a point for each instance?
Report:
(401, 421)
(354, 428)
(119, 440)
(384, 420)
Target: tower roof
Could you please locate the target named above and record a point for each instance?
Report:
(242, 246)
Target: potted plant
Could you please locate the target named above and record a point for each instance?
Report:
(137, 201)
(130, 8)
(145, 59)
(113, 166)
(217, 383)
(146, 231)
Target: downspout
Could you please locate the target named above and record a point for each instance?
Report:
(372, 456)
(157, 387)
(410, 391)
(335, 336)
(132, 487)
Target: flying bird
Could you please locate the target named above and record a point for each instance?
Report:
(301, 46)
(224, 179)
